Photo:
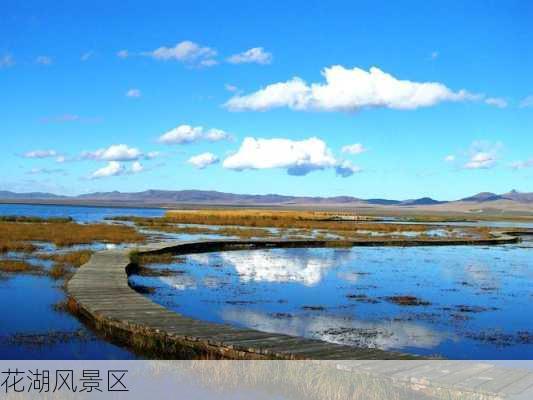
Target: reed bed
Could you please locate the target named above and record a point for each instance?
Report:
(66, 234)
(73, 259)
(302, 220)
(18, 266)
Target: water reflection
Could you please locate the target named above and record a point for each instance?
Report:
(383, 335)
(453, 301)
(307, 267)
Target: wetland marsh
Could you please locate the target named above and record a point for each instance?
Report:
(445, 301)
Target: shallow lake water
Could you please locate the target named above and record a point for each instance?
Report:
(474, 302)
(30, 327)
(78, 213)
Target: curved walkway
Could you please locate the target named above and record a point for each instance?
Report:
(101, 294)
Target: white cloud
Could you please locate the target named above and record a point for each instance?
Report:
(527, 102)
(123, 54)
(47, 171)
(43, 60)
(151, 155)
(522, 164)
(85, 56)
(113, 168)
(434, 55)
(186, 52)
(116, 152)
(356, 148)
(136, 167)
(208, 63)
(256, 55)
(181, 134)
(231, 88)
(203, 160)
(483, 155)
(348, 90)
(449, 158)
(481, 160)
(6, 61)
(40, 154)
(346, 169)
(216, 135)
(297, 157)
(184, 134)
(135, 93)
(496, 102)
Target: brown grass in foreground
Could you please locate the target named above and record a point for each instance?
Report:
(73, 259)
(17, 266)
(9, 245)
(66, 234)
(145, 259)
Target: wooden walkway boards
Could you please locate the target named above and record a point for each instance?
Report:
(102, 295)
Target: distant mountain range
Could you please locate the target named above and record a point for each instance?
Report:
(214, 197)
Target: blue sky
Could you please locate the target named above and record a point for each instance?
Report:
(434, 98)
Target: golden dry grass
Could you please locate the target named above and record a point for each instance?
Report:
(58, 271)
(166, 225)
(66, 234)
(17, 266)
(303, 220)
(9, 245)
(145, 259)
(73, 259)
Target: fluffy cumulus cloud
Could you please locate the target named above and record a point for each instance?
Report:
(184, 134)
(256, 55)
(346, 169)
(116, 152)
(348, 90)
(113, 168)
(40, 154)
(496, 102)
(136, 167)
(356, 148)
(203, 160)
(297, 157)
(186, 52)
(135, 93)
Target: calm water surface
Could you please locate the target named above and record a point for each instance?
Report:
(477, 301)
(78, 213)
(30, 326)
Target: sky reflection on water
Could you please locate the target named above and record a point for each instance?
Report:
(479, 296)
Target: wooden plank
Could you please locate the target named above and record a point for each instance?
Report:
(101, 288)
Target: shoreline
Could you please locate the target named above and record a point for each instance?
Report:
(100, 293)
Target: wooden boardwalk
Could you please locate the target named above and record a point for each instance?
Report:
(101, 293)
